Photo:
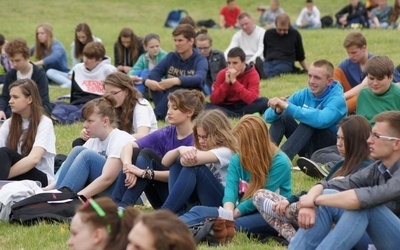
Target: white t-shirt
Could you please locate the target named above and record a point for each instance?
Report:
(111, 146)
(143, 116)
(45, 138)
(220, 168)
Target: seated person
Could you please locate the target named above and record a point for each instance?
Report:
(350, 71)
(310, 17)
(237, 88)
(185, 68)
(381, 95)
(87, 83)
(394, 20)
(317, 108)
(268, 15)
(249, 38)
(92, 169)
(127, 50)
(5, 64)
(18, 53)
(362, 205)
(147, 61)
(216, 60)
(380, 15)
(354, 13)
(229, 15)
(283, 46)
(50, 53)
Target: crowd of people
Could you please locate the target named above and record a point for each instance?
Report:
(344, 127)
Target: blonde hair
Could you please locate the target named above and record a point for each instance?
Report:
(218, 128)
(43, 49)
(256, 151)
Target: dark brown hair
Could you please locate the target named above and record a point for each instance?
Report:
(379, 67)
(94, 50)
(134, 49)
(356, 130)
(83, 27)
(186, 30)
(28, 88)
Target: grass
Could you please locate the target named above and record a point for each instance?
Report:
(107, 17)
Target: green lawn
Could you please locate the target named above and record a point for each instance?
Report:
(106, 18)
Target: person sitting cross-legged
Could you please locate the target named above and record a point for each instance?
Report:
(237, 88)
(318, 108)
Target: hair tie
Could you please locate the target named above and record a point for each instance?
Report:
(120, 213)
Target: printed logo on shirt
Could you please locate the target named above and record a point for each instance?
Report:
(174, 72)
(94, 86)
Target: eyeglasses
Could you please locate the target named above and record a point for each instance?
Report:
(383, 137)
(203, 137)
(115, 92)
(203, 48)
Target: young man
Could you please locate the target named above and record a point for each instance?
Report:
(310, 17)
(18, 53)
(229, 15)
(365, 202)
(268, 15)
(381, 95)
(283, 46)
(237, 88)
(249, 38)
(318, 108)
(5, 64)
(216, 60)
(184, 68)
(350, 72)
(353, 13)
(87, 83)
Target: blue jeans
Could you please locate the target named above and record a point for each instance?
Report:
(184, 182)
(239, 109)
(156, 191)
(81, 167)
(59, 77)
(250, 223)
(350, 229)
(160, 99)
(276, 67)
(301, 138)
(67, 113)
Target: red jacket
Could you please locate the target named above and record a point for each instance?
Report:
(245, 89)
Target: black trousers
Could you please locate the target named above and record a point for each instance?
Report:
(8, 158)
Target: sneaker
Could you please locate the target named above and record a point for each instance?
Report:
(296, 168)
(311, 168)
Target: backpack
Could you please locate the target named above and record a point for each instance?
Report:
(173, 18)
(44, 207)
(206, 23)
(326, 22)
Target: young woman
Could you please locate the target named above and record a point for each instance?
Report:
(27, 139)
(201, 170)
(147, 61)
(259, 164)
(144, 171)
(136, 116)
(127, 50)
(160, 230)
(51, 54)
(83, 36)
(394, 20)
(352, 144)
(98, 224)
(98, 161)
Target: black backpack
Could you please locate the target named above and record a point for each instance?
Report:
(326, 22)
(43, 207)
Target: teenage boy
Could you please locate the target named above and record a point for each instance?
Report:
(18, 53)
(350, 72)
(237, 88)
(318, 109)
(367, 201)
(87, 83)
(184, 68)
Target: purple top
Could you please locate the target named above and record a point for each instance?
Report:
(164, 140)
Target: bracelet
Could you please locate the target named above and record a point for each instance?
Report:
(315, 200)
(148, 174)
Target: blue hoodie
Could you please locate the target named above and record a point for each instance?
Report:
(320, 112)
(192, 71)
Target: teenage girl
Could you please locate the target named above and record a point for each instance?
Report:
(127, 50)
